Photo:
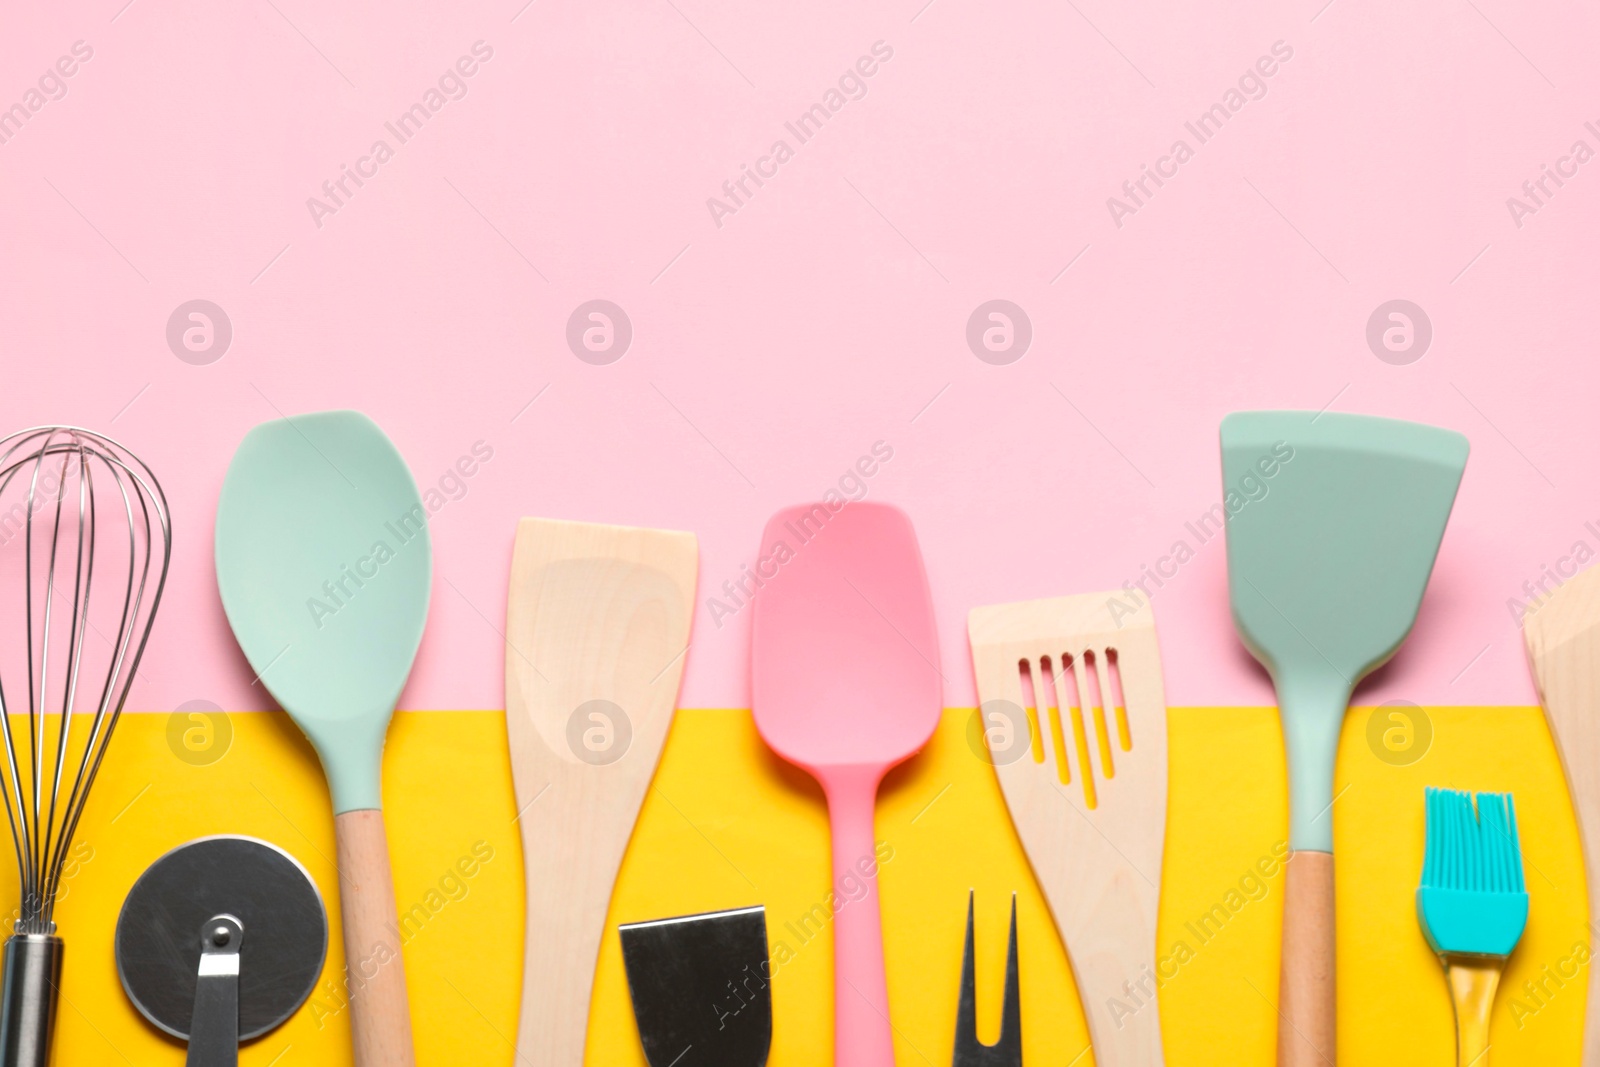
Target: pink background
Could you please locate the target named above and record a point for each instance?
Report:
(830, 311)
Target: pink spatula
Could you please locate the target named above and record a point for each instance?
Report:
(846, 684)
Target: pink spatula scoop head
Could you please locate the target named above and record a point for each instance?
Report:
(845, 683)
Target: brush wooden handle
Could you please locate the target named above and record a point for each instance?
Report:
(380, 1015)
(1306, 977)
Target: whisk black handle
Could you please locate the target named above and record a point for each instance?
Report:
(28, 999)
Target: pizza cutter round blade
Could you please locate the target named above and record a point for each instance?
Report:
(280, 938)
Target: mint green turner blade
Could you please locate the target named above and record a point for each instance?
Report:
(1333, 525)
(324, 566)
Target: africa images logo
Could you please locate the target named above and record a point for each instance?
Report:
(403, 529)
(1251, 85)
(50, 86)
(451, 85)
(852, 85)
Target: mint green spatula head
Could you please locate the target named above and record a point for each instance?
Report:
(324, 564)
(1333, 525)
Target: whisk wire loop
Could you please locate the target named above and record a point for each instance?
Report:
(62, 659)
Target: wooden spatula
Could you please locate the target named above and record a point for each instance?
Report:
(1563, 638)
(1075, 721)
(597, 624)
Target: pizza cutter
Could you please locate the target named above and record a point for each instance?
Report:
(220, 941)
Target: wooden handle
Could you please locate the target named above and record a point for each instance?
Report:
(380, 1016)
(1591, 1023)
(1123, 1014)
(1306, 978)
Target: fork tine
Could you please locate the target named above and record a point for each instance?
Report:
(1007, 1052)
(967, 1050)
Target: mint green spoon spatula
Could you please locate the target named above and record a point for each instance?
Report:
(1333, 525)
(324, 565)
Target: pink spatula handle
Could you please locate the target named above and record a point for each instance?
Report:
(861, 1033)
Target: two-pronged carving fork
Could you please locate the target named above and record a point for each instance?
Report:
(1007, 1050)
(1075, 721)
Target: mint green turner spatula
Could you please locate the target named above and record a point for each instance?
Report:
(1333, 525)
(324, 565)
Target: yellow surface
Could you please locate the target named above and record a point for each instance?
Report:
(448, 788)
(727, 825)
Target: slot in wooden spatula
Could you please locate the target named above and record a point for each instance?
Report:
(1075, 721)
(597, 624)
(1563, 638)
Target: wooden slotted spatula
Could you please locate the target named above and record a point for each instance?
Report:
(597, 624)
(1075, 722)
(1563, 638)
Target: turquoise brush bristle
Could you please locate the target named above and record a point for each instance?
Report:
(1472, 900)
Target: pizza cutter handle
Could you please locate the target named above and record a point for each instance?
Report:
(214, 1030)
